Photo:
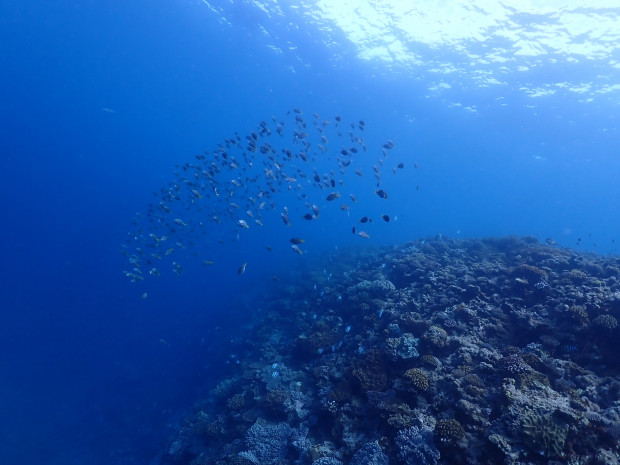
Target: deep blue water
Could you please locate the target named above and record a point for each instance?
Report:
(101, 100)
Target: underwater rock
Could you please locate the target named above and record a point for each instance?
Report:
(267, 444)
(415, 446)
(369, 454)
(402, 348)
(378, 289)
(327, 461)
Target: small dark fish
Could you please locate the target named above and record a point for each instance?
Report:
(241, 269)
(332, 196)
(353, 229)
(550, 241)
(296, 240)
(315, 209)
(317, 178)
(388, 145)
(353, 199)
(285, 219)
(400, 165)
(333, 183)
(308, 216)
(381, 193)
(386, 218)
(269, 248)
(365, 219)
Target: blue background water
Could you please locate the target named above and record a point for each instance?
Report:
(100, 100)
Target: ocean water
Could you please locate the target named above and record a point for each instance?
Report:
(505, 117)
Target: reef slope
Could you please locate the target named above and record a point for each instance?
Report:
(441, 351)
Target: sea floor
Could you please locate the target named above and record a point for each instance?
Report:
(440, 351)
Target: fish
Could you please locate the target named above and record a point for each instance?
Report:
(365, 219)
(264, 171)
(296, 249)
(386, 218)
(296, 240)
(241, 269)
(269, 248)
(381, 193)
(207, 262)
(363, 234)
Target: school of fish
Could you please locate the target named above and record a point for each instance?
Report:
(231, 189)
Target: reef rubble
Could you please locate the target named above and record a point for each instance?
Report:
(440, 351)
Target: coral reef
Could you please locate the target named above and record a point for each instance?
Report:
(441, 351)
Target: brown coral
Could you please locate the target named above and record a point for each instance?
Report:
(430, 360)
(416, 379)
(236, 402)
(436, 336)
(605, 321)
(448, 431)
(370, 372)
